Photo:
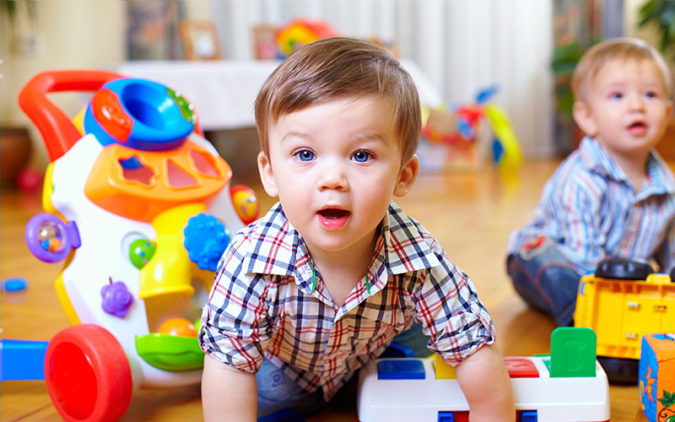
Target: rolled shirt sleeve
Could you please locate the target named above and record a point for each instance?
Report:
(234, 323)
(451, 314)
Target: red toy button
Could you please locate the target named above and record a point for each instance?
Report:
(520, 368)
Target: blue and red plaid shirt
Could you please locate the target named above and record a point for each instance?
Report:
(591, 210)
(262, 304)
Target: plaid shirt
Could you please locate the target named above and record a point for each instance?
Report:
(262, 304)
(590, 208)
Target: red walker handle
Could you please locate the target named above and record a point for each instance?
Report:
(57, 130)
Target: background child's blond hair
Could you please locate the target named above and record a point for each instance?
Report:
(615, 49)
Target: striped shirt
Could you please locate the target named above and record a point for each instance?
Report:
(262, 304)
(590, 208)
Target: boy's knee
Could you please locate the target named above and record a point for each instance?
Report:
(545, 278)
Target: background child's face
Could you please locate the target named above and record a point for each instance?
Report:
(335, 167)
(626, 108)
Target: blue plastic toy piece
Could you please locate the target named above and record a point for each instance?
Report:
(394, 369)
(446, 417)
(528, 416)
(497, 151)
(22, 360)
(486, 94)
(395, 350)
(284, 415)
(14, 284)
(205, 240)
(152, 112)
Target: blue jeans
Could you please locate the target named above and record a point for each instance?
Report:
(546, 279)
(277, 392)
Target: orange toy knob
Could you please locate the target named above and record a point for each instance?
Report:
(180, 327)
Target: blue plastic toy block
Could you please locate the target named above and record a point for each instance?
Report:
(446, 417)
(528, 416)
(395, 350)
(22, 360)
(394, 369)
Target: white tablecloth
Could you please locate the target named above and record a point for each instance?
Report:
(223, 92)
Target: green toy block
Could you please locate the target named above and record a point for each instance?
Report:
(573, 352)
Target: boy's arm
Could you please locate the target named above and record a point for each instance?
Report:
(228, 394)
(487, 387)
(666, 254)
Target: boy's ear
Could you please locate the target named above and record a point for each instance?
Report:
(407, 176)
(267, 175)
(584, 118)
(669, 105)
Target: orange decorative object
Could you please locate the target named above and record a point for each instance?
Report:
(300, 32)
(110, 114)
(180, 327)
(140, 187)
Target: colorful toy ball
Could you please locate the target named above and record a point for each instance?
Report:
(29, 180)
(180, 327)
(245, 203)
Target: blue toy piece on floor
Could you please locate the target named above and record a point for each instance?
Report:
(22, 360)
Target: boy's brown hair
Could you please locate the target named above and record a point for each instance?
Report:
(340, 67)
(615, 49)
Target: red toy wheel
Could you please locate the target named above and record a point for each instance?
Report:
(87, 374)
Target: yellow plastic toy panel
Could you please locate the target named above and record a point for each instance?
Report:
(622, 311)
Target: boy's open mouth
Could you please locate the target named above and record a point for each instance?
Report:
(333, 217)
(333, 213)
(638, 127)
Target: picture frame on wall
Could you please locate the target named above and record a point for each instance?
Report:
(200, 40)
(152, 29)
(265, 42)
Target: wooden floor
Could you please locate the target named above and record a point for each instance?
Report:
(471, 213)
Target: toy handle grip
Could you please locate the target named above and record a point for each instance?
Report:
(57, 130)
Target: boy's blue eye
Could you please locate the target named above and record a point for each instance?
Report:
(305, 155)
(616, 95)
(651, 94)
(361, 156)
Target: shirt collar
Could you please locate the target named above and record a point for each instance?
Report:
(660, 179)
(407, 249)
(598, 160)
(659, 176)
(278, 248)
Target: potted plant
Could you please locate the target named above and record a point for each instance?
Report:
(20, 38)
(660, 15)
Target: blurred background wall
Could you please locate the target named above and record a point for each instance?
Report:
(462, 46)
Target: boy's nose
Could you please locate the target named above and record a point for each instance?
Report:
(636, 102)
(332, 176)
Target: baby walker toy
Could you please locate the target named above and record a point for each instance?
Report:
(139, 208)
